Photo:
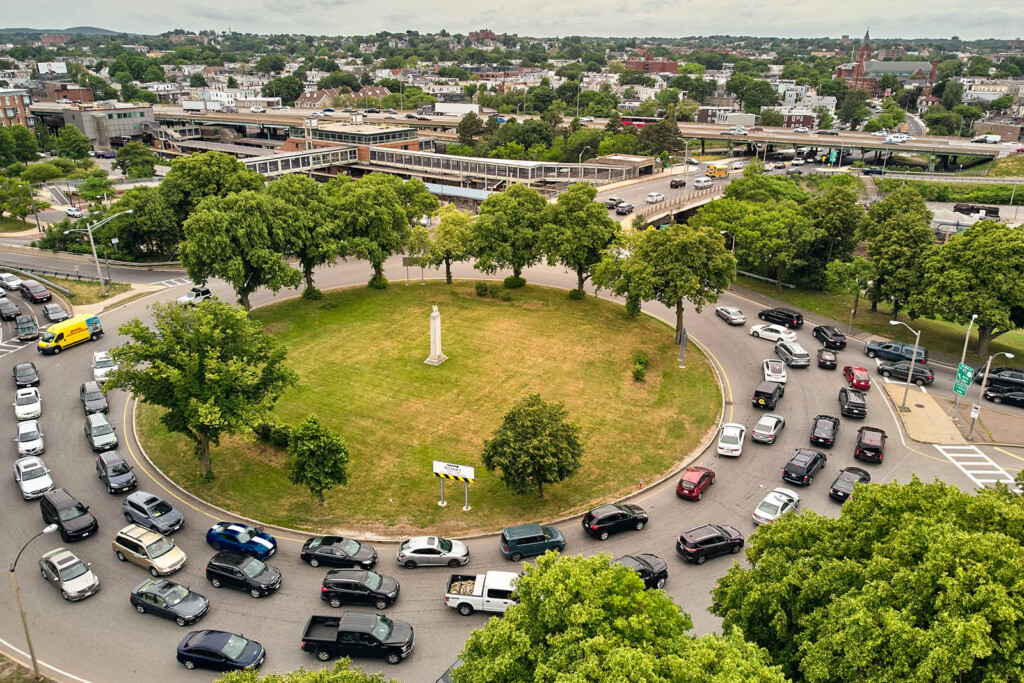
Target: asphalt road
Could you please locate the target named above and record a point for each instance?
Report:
(104, 639)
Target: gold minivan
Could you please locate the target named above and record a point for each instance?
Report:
(148, 549)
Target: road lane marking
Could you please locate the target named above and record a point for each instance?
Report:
(41, 663)
(976, 465)
(1003, 450)
(173, 282)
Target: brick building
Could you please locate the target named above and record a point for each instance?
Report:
(652, 66)
(14, 108)
(53, 39)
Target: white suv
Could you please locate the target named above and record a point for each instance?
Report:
(102, 366)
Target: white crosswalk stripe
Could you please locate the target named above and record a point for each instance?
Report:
(976, 465)
(9, 347)
(176, 282)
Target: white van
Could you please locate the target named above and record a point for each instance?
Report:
(703, 183)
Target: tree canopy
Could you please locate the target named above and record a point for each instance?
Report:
(507, 232)
(209, 174)
(341, 672)
(317, 457)
(577, 231)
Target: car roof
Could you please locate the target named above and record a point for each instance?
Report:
(91, 385)
(144, 498)
(27, 425)
(608, 509)
(59, 556)
(347, 574)
(27, 391)
(694, 473)
(702, 532)
(522, 530)
(28, 462)
(357, 621)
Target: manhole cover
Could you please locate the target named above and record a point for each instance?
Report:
(919, 405)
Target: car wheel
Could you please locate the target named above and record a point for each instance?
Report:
(120, 555)
(919, 382)
(154, 572)
(56, 350)
(393, 658)
(603, 536)
(410, 564)
(314, 562)
(128, 518)
(997, 399)
(64, 536)
(179, 621)
(661, 583)
(381, 604)
(140, 609)
(465, 609)
(700, 495)
(755, 334)
(886, 373)
(189, 664)
(871, 354)
(334, 601)
(736, 549)
(516, 557)
(700, 559)
(64, 595)
(761, 316)
(255, 592)
(215, 582)
(810, 480)
(323, 655)
(639, 525)
(215, 546)
(454, 564)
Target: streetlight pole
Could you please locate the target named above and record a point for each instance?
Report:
(963, 356)
(581, 153)
(21, 607)
(686, 152)
(726, 232)
(88, 230)
(913, 359)
(984, 381)
(579, 88)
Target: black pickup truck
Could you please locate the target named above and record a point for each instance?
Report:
(358, 634)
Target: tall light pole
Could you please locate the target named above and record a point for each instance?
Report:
(579, 88)
(582, 151)
(726, 232)
(963, 356)
(984, 381)
(21, 607)
(913, 359)
(686, 152)
(88, 230)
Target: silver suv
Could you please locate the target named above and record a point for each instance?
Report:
(99, 432)
(794, 355)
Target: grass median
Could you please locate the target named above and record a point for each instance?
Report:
(359, 353)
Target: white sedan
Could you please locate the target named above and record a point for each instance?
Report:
(27, 404)
(731, 315)
(655, 197)
(774, 370)
(32, 476)
(777, 503)
(801, 129)
(772, 333)
(879, 134)
(730, 439)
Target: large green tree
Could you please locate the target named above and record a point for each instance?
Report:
(577, 231)
(838, 215)
(915, 582)
(507, 232)
(317, 457)
(26, 147)
(72, 143)
(535, 444)
(136, 160)
(977, 272)
(312, 234)
(588, 619)
(341, 672)
(242, 239)
(850, 277)
(150, 229)
(210, 174)
(452, 240)
(469, 128)
(625, 273)
(95, 188)
(211, 367)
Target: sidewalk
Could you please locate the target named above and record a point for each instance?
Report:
(926, 419)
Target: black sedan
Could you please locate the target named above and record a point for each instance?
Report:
(842, 487)
(219, 651)
(1011, 397)
(922, 372)
(652, 569)
(823, 430)
(8, 309)
(827, 359)
(25, 375)
(55, 313)
(358, 587)
(169, 600)
(335, 551)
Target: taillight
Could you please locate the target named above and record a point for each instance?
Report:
(805, 478)
(303, 644)
(593, 527)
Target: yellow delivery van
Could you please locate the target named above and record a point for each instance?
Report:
(59, 336)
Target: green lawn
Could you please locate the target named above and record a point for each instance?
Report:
(9, 224)
(360, 352)
(937, 335)
(88, 292)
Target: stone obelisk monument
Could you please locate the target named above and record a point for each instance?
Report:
(436, 356)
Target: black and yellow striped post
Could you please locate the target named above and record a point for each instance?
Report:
(444, 470)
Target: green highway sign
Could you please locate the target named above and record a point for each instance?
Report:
(832, 156)
(960, 388)
(964, 373)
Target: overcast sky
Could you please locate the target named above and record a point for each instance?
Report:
(669, 18)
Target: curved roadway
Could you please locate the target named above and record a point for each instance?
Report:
(104, 639)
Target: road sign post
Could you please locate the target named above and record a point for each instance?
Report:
(446, 470)
(964, 375)
(960, 388)
(975, 411)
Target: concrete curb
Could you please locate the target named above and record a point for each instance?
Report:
(708, 440)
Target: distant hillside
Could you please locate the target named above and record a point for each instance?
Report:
(84, 30)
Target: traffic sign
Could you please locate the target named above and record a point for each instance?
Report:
(832, 156)
(975, 410)
(960, 388)
(964, 373)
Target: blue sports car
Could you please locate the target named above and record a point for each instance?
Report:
(220, 651)
(241, 538)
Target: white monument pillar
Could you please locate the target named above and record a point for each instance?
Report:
(436, 356)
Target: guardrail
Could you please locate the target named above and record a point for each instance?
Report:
(38, 273)
(938, 177)
(665, 205)
(764, 279)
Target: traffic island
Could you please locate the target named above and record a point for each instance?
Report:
(925, 419)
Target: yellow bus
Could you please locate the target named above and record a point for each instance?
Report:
(718, 171)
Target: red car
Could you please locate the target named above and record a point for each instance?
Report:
(694, 482)
(857, 377)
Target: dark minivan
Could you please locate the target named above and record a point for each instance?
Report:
(72, 518)
(527, 540)
(782, 316)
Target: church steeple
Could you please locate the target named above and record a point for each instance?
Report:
(867, 37)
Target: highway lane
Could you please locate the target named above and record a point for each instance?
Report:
(128, 645)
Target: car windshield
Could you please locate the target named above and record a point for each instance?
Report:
(160, 509)
(382, 629)
(769, 509)
(93, 395)
(49, 336)
(72, 512)
(349, 547)
(119, 468)
(159, 547)
(444, 544)
(24, 370)
(28, 435)
(27, 400)
(175, 595)
(234, 647)
(101, 429)
(73, 571)
(104, 362)
(254, 568)
(373, 581)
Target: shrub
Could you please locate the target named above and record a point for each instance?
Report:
(505, 295)
(63, 164)
(273, 433)
(481, 288)
(493, 290)
(513, 282)
(641, 358)
(312, 294)
(639, 372)
(576, 295)
(380, 282)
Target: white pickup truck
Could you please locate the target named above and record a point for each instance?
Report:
(490, 592)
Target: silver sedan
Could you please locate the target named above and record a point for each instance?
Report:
(731, 315)
(423, 551)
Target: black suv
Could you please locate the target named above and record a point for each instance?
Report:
(802, 467)
(852, 403)
(608, 519)
(823, 430)
(782, 316)
(830, 337)
(244, 573)
(710, 540)
(1006, 377)
(653, 570)
(922, 372)
(358, 586)
(767, 394)
(35, 292)
(72, 518)
(676, 182)
(93, 398)
(870, 444)
(114, 472)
